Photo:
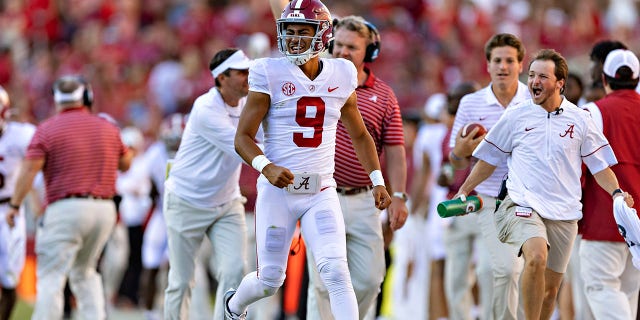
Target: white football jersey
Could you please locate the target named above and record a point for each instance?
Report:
(13, 147)
(134, 186)
(300, 127)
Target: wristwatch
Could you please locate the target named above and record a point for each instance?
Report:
(616, 191)
(401, 195)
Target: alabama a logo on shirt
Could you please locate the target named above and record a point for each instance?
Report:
(568, 132)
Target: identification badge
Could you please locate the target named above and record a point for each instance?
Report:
(304, 183)
(523, 212)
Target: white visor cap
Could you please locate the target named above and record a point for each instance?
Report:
(237, 61)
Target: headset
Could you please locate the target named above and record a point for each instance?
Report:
(87, 93)
(373, 49)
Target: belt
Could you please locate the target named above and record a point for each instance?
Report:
(85, 196)
(348, 191)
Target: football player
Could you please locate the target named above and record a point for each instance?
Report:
(300, 98)
(14, 139)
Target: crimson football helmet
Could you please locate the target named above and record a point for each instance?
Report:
(311, 12)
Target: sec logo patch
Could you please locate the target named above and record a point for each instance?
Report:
(288, 89)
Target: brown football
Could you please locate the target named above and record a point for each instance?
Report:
(472, 125)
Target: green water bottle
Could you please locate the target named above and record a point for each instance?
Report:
(456, 207)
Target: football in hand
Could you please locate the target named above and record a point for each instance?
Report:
(472, 125)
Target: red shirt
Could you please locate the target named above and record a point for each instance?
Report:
(81, 153)
(620, 110)
(381, 114)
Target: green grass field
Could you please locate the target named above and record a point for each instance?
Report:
(22, 311)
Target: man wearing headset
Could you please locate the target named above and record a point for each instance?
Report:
(79, 154)
(359, 42)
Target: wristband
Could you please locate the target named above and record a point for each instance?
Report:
(259, 162)
(454, 157)
(376, 178)
(13, 206)
(616, 191)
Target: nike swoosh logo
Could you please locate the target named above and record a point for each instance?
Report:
(482, 118)
(332, 89)
(529, 129)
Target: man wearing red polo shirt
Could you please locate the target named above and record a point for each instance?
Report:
(358, 41)
(79, 154)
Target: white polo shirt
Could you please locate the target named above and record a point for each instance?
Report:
(206, 170)
(483, 107)
(544, 153)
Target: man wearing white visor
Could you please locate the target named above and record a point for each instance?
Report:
(202, 192)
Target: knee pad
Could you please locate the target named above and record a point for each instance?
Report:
(272, 277)
(334, 272)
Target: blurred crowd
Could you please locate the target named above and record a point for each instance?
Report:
(147, 58)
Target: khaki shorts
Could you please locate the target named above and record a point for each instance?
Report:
(515, 228)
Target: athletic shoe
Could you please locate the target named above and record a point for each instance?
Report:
(228, 315)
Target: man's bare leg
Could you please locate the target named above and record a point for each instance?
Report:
(533, 276)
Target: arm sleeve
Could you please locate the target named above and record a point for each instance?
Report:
(393, 133)
(36, 149)
(596, 115)
(216, 128)
(596, 151)
(258, 77)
